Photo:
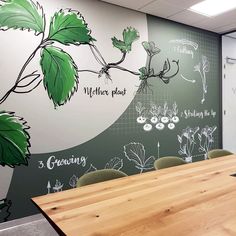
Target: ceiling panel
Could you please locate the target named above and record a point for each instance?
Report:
(176, 10)
(161, 8)
(187, 17)
(183, 3)
(133, 4)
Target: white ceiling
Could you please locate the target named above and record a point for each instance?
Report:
(176, 10)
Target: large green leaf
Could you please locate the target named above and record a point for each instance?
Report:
(14, 140)
(69, 27)
(21, 14)
(60, 74)
(129, 36)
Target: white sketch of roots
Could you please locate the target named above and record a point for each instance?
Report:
(203, 67)
(206, 139)
(135, 152)
(187, 143)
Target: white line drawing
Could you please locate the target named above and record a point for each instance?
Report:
(115, 163)
(189, 80)
(185, 42)
(73, 181)
(203, 67)
(142, 112)
(135, 152)
(157, 116)
(206, 139)
(58, 186)
(49, 187)
(158, 149)
(187, 143)
(164, 118)
(90, 169)
(155, 112)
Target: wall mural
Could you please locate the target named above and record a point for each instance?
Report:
(163, 118)
(60, 73)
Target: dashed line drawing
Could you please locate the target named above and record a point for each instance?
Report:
(185, 42)
(135, 152)
(188, 80)
(115, 163)
(158, 149)
(49, 187)
(206, 139)
(203, 67)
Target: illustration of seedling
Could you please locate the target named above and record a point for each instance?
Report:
(155, 112)
(203, 67)
(170, 114)
(58, 186)
(141, 113)
(135, 152)
(164, 118)
(175, 118)
(187, 142)
(58, 69)
(206, 139)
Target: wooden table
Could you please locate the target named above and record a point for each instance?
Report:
(195, 199)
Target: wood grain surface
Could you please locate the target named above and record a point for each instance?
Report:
(196, 199)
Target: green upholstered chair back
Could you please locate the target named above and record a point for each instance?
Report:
(168, 161)
(99, 176)
(214, 153)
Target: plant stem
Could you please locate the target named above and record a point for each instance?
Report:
(119, 62)
(123, 69)
(22, 71)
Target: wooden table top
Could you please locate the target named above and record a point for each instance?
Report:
(197, 199)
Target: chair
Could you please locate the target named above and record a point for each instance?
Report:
(168, 161)
(214, 153)
(99, 176)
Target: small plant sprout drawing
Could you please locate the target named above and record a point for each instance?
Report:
(170, 114)
(135, 152)
(187, 142)
(73, 181)
(59, 72)
(155, 112)
(58, 186)
(175, 117)
(115, 163)
(203, 67)
(140, 110)
(206, 139)
(164, 118)
(49, 187)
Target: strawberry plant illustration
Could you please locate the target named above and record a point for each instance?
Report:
(59, 72)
